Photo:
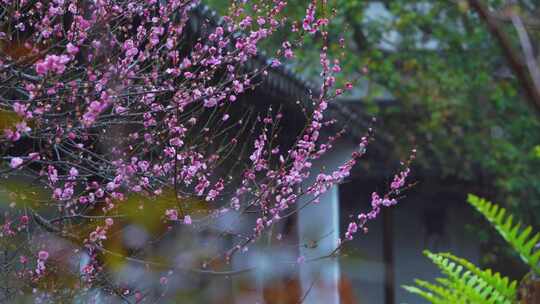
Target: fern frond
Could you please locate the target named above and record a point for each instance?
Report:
(424, 294)
(522, 241)
(501, 284)
(470, 287)
(434, 293)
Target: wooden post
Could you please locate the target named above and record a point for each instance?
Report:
(529, 290)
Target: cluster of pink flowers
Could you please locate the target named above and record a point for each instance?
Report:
(100, 233)
(43, 256)
(377, 201)
(16, 162)
(52, 63)
(172, 215)
(123, 108)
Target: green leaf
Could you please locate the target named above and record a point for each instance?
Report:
(464, 283)
(520, 241)
(500, 284)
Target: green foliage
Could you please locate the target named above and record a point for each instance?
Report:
(463, 282)
(520, 239)
(506, 287)
(434, 293)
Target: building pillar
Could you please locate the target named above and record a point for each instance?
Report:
(318, 231)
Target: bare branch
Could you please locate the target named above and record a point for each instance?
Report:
(512, 56)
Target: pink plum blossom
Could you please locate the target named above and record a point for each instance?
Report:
(16, 162)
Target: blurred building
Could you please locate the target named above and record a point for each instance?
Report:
(432, 215)
(371, 269)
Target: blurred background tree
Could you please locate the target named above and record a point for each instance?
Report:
(436, 74)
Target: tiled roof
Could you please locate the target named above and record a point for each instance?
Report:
(283, 84)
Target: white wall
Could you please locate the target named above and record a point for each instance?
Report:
(320, 222)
